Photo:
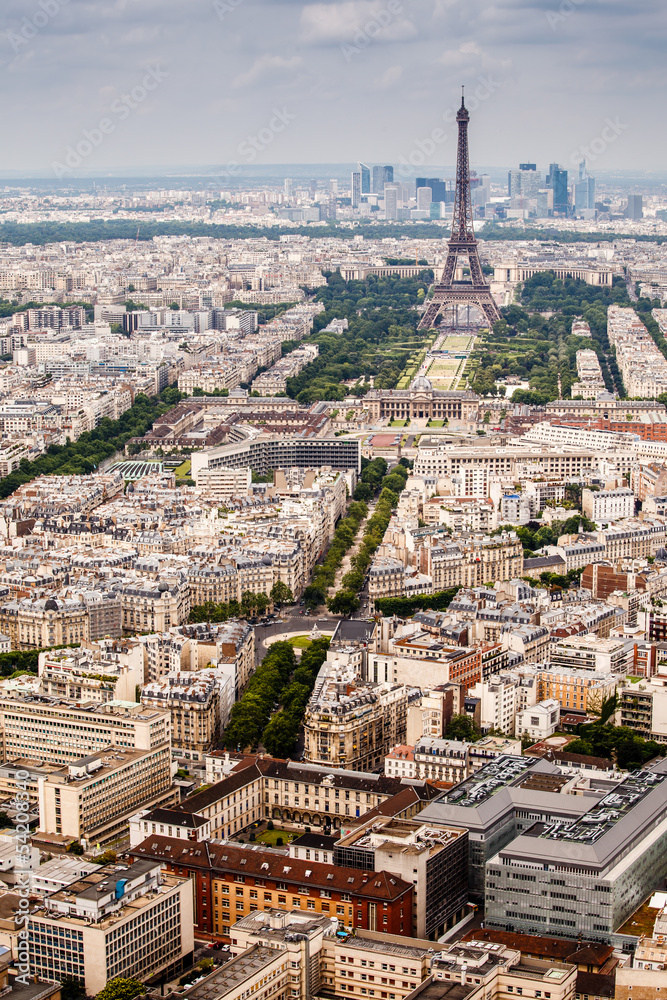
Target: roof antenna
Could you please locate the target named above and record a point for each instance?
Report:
(463, 95)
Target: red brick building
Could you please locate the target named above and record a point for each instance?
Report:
(231, 881)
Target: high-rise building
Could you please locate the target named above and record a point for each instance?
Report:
(288, 188)
(391, 202)
(381, 176)
(438, 188)
(424, 198)
(365, 178)
(355, 189)
(557, 181)
(584, 190)
(524, 182)
(635, 209)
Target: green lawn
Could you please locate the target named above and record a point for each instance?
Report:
(641, 921)
(300, 641)
(398, 423)
(269, 837)
(436, 423)
(183, 470)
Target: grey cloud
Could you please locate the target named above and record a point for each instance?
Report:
(226, 74)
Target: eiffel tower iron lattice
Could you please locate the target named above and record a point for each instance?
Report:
(462, 243)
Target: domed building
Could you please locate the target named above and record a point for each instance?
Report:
(422, 402)
(421, 384)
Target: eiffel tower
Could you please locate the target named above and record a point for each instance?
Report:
(461, 244)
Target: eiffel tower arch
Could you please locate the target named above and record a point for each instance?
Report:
(462, 245)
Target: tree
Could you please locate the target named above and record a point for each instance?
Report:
(461, 727)
(121, 989)
(363, 491)
(279, 737)
(71, 988)
(344, 602)
(281, 594)
(314, 596)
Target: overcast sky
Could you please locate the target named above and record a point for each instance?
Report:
(279, 81)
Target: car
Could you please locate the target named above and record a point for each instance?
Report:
(302, 612)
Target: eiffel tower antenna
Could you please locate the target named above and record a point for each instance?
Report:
(462, 243)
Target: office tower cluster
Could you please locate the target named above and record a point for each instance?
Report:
(530, 196)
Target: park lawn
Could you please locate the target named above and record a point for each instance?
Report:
(398, 423)
(300, 641)
(183, 470)
(269, 837)
(436, 423)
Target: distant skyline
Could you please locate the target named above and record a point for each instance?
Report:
(89, 87)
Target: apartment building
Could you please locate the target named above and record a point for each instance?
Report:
(585, 877)
(574, 688)
(608, 505)
(350, 723)
(56, 732)
(267, 973)
(538, 721)
(225, 484)
(436, 856)
(420, 659)
(360, 965)
(438, 459)
(130, 921)
(154, 606)
(92, 799)
(481, 970)
(446, 761)
(590, 652)
(99, 672)
(494, 702)
(232, 881)
(36, 623)
(436, 564)
(199, 703)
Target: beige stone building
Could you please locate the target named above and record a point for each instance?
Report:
(37, 623)
(193, 700)
(93, 798)
(155, 607)
(422, 402)
(110, 670)
(225, 484)
(351, 724)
